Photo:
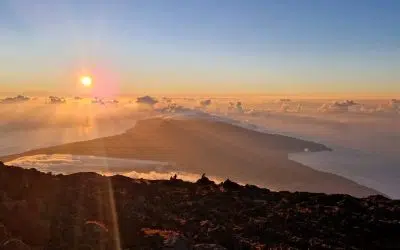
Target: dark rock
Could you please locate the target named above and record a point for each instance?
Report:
(3, 234)
(208, 247)
(204, 180)
(90, 211)
(377, 198)
(14, 244)
(230, 185)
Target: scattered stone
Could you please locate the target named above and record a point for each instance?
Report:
(88, 211)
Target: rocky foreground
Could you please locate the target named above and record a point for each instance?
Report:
(90, 211)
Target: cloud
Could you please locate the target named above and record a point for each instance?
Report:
(146, 100)
(55, 100)
(17, 99)
(390, 107)
(397, 101)
(173, 108)
(287, 108)
(393, 106)
(167, 99)
(337, 106)
(284, 107)
(112, 101)
(394, 103)
(67, 164)
(299, 108)
(205, 103)
(102, 101)
(98, 101)
(258, 113)
(237, 107)
(284, 100)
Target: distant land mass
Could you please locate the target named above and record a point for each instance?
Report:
(218, 149)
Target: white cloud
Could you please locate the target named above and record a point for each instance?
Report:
(236, 107)
(390, 107)
(337, 106)
(287, 107)
(173, 108)
(393, 106)
(299, 108)
(258, 113)
(167, 99)
(67, 164)
(284, 107)
(394, 103)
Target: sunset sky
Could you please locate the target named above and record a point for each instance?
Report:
(221, 46)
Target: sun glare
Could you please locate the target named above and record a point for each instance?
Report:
(86, 81)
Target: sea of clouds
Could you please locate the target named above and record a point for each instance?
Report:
(138, 169)
(365, 134)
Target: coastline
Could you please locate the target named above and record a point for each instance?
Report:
(218, 149)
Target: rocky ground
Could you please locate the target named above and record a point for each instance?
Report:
(90, 211)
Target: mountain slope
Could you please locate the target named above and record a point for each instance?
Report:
(216, 148)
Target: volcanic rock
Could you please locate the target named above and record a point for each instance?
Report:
(90, 211)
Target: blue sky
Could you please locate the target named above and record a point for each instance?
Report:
(203, 46)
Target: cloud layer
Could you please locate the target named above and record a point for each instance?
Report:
(17, 99)
(67, 164)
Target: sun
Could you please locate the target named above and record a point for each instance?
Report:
(86, 81)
